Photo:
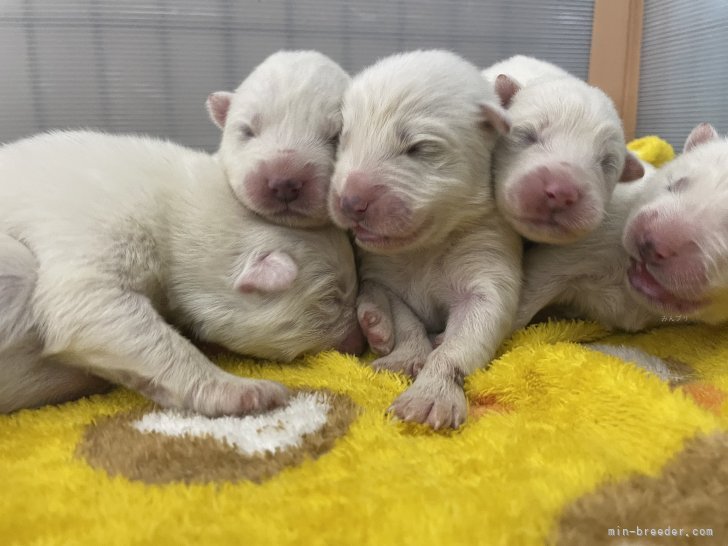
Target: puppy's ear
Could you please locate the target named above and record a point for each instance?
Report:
(496, 117)
(218, 104)
(271, 272)
(703, 133)
(633, 169)
(506, 88)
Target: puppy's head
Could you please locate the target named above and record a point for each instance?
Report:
(280, 130)
(414, 156)
(556, 169)
(677, 235)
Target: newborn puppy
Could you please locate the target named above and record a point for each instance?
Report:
(555, 170)
(280, 130)
(104, 239)
(412, 182)
(673, 257)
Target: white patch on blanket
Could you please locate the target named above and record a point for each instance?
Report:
(252, 434)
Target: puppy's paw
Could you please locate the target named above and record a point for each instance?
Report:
(241, 397)
(377, 328)
(398, 362)
(437, 402)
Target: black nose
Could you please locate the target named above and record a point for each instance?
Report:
(354, 206)
(285, 189)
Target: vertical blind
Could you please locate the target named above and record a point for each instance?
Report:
(148, 66)
(684, 68)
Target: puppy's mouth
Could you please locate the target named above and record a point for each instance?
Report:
(552, 230)
(370, 240)
(294, 214)
(649, 288)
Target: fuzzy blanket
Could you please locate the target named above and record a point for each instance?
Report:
(563, 445)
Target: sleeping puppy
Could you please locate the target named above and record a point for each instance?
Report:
(412, 183)
(555, 170)
(109, 242)
(661, 252)
(280, 130)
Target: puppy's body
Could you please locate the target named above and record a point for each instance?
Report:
(118, 234)
(556, 168)
(412, 182)
(661, 251)
(280, 130)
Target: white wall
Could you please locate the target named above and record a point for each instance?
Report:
(684, 72)
(147, 66)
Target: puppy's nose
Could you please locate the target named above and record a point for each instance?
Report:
(354, 206)
(560, 194)
(654, 252)
(285, 189)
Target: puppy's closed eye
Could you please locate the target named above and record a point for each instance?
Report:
(246, 132)
(422, 149)
(608, 163)
(677, 185)
(524, 136)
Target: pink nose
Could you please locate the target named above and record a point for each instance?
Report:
(285, 189)
(654, 252)
(560, 193)
(354, 206)
(354, 343)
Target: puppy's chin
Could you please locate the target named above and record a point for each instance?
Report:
(655, 295)
(377, 243)
(549, 231)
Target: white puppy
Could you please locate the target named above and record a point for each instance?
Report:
(412, 181)
(280, 130)
(102, 238)
(673, 257)
(556, 169)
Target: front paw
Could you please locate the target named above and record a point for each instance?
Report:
(438, 402)
(377, 328)
(397, 362)
(240, 396)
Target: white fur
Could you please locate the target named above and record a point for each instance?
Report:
(270, 432)
(590, 277)
(290, 102)
(459, 270)
(125, 232)
(573, 123)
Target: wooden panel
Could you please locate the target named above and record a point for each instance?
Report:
(614, 62)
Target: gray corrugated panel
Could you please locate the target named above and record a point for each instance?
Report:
(148, 65)
(684, 72)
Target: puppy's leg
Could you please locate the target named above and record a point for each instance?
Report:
(375, 317)
(18, 275)
(118, 335)
(479, 320)
(543, 285)
(412, 343)
(29, 381)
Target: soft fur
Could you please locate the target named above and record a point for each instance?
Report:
(280, 130)
(412, 181)
(557, 167)
(103, 236)
(661, 251)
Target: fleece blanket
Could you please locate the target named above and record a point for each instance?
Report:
(563, 445)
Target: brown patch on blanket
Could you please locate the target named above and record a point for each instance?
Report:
(114, 445)
(690, 494)
(705, 395)
(480, 405)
